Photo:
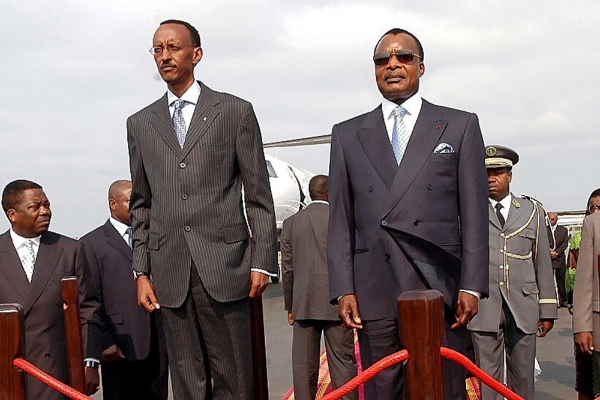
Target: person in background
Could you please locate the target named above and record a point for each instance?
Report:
(134, 358)
(559, 241)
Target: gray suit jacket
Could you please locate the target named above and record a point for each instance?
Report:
(387, 220)
(304, 264)
(45, 343)
(124, 322)
(529, 290)
(186, 204)
(586, 296)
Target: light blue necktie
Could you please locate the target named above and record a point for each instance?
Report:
(28, 259)
(400, 135)
(178, 121)
(130, 237)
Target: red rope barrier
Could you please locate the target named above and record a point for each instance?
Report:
(485, 378)
(368, 374)
(48, 380)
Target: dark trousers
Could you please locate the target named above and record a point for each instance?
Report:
(561, 274)
(379, 339)
(210, 351)
(339, 345)
(144, 379)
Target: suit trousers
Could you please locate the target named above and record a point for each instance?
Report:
(561, 274)
(520, 357)
(209, 341)
(339, 345)
(380, 338)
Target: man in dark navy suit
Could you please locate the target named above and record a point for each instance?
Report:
(134, 361)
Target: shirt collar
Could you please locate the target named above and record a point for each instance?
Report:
(19, 240)
(505, 202)
(412, 106)
(190, 96)
(119, 226)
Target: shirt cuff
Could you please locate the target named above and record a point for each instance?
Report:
(472, 293)
(262, 271)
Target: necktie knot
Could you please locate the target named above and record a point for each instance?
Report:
(499, 207)
(178, 104)
(399, 112)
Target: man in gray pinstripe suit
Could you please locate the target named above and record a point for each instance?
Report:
(190, 152)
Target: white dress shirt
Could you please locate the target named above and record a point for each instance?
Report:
(191, 98)
(413, 108)
(505, 205)
(19, 243)
(121, 228)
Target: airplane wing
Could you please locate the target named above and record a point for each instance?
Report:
(305, 141)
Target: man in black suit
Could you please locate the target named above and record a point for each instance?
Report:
(559, 241)
(189, 154)
(133, 350)
(33, 261)
(408, 195)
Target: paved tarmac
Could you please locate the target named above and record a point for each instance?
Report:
(554, 353)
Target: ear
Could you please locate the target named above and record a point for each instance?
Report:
(198, 53)
(421, 69)
(12, 215)
(112, 203)
(509, 176)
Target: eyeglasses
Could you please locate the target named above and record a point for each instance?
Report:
(171, 48)
(403, 56)
(592, 209)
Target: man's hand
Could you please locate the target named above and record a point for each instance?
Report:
(468, 307)
(146, 296)
(112, 354)
(259, 281)
(349, 313)
(553, 254)
(291, 319)
(92, 381)
(544, 326)
(585, 342)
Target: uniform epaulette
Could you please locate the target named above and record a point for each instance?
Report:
(539, 204)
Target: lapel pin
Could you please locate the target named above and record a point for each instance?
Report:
(516, 203)
(204, 119)
(438, 126)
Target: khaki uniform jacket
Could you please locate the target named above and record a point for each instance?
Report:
(520, 270)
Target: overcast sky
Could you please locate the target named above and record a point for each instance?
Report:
(73, 71)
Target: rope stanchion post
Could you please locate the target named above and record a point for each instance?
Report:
(421, 328)
(12, 342)
(259, 356)
(70, 293)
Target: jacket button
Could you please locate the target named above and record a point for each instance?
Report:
(182, 165)
(416, 222)
(47, 355)
(387, 257)
(429, 186)
(370, 189)
(46, 330)
(187, 228)
(384, 223)
(184, 196)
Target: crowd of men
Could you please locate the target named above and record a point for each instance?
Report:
(404, 208)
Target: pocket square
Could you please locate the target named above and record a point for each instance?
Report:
(443, 148)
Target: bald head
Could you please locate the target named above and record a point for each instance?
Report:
(553, 217)
(119, 194)
(318, 188)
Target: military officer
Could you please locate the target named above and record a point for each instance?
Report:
(522, 298)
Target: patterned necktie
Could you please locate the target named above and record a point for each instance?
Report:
(400, 135)
(179, 122)
(130, 237)
(28, 259)
(499, 214)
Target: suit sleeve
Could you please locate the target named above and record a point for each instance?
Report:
(473, 209)
(140, 202)
(584, 281)
(287, 264)
(257, 192)
(544, 272)
(89, 306)
(340, 239)
(95, 269)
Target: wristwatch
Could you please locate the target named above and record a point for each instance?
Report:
(137, 274)
(91, 364)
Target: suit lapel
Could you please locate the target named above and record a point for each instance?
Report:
(374, 139)
(425, 136)
(493, 217)
(11, 267)
(45, 264)
(205, 112)
(163, 125)
(115, 240)
(513, 214)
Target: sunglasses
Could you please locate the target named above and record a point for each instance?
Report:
(403, 56)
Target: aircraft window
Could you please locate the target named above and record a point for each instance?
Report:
(272, 173)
